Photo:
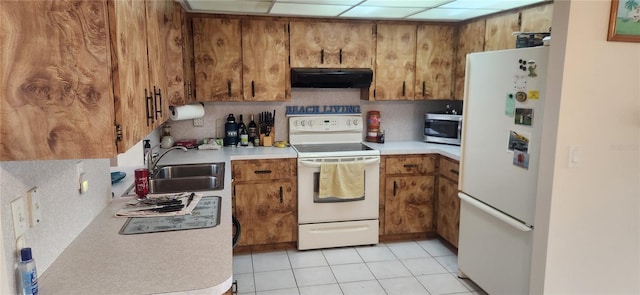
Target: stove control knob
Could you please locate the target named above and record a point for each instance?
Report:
(310, 123)
(302, 123)
(355, 122)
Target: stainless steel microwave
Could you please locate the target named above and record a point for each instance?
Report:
(443, 128)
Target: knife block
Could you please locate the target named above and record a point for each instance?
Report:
(268, 140)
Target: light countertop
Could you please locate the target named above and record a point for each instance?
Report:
(195, 261)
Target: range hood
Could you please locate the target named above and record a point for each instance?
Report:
(331, 78)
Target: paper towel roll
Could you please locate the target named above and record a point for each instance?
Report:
(186, 112)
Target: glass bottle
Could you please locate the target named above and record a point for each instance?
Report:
(252, 130)
(242, 130)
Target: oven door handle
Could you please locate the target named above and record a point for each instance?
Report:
(316, 164)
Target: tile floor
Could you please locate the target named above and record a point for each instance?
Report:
(407, 268)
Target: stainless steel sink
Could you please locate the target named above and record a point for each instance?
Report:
(190, 170)
(187, 178)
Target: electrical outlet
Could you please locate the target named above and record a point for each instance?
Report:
(198, 122)
(35, 208)
(20, 222)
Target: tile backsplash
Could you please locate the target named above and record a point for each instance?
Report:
(401, 120)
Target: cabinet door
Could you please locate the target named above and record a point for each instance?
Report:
(470, 39)
(314, 45)
(55, 96)
(188, 60)
(266, 212)
(174, 42)
(357, 45)
(409, 204)
(264, 60)
(130, 71)
(434, 62)
(499, 32)
(331, 45)
(537, 19)
(448, 211)
(165, 56)
(218, 59)
(395, 62)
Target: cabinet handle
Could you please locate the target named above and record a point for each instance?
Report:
(253, 89)
(410, 165)
(403, 87)
(321, 55)
(148, 106)
(424, 88)
(340, 55)
(157, 96)
(454, 172)
(262, 172)
(281, 195)
(395, 188)
(189, 89)
(229, 87)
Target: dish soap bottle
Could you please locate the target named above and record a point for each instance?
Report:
(167, 139)
(28, 273)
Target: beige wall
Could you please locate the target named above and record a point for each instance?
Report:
(587, 235)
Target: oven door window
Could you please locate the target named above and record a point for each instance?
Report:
(441, 128)
(316, 192)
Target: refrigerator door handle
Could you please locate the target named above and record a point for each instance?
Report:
(493, 212)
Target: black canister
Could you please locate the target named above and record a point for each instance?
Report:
(231, 131)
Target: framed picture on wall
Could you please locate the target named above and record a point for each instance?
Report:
(624, 21)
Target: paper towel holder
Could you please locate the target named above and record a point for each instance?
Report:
(174, 113)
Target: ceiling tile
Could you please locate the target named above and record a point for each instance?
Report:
(230, 6)
(379, 12)
(330, 2)
(489, 4)
(405, 3)
(440, 14)
(308, 9)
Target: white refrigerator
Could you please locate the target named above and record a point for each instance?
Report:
(502, 124)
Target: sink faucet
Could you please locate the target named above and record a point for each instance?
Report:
(151, 163)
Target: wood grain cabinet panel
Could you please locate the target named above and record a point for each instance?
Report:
(448, 203)
(434, 62)
(265, 200)
(537, 19)
(55, 100)
(470, 38)
(395, 62)
(265, 50)
(499, 32)
(331, 44)
(408, 194)
(218, 59)
(409, 204)
(266, 212)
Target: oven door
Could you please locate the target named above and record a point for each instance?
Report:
(311, 210)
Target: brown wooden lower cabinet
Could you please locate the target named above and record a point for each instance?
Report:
(448, 203)
(407, 194)
(265, 201)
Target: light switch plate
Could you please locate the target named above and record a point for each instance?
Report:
(35, 208)
(20, 221)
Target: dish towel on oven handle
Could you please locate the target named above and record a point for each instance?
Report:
(342, 180)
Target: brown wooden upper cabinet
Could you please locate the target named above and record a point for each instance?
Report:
(434, 62)
(238, 60)
(323, 44)
(78, 68)
(217, 50)
(147, 70)
(395, 62)
(265, 71)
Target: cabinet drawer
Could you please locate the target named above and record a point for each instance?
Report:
(410, 164)
(252, 170)
(449, 169)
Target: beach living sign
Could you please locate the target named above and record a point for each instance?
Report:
(325, 109)
(624, 21)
